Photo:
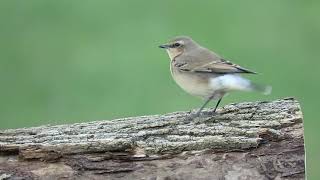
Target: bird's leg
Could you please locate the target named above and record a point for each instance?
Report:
(204, 105)
(215, 108)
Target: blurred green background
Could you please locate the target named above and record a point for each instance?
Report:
(76, 61)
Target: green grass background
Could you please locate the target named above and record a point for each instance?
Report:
(76, 61)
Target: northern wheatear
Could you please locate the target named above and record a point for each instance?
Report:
(204, 73)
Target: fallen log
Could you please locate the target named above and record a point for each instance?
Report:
(251, 140)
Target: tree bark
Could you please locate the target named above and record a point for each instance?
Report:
(254, 140)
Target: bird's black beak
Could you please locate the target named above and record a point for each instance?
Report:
(164, 46)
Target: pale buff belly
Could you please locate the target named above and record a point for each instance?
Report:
(193, 84)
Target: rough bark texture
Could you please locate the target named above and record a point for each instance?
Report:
(255, 140)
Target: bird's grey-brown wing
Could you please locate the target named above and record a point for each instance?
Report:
(204, 61)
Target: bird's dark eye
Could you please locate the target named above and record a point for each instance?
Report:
(176, 44)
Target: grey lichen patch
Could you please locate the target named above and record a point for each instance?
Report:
(234, 127)
(5, 176)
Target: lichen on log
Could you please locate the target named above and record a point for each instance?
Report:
(244, 132)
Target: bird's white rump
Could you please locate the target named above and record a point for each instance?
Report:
(232, 82)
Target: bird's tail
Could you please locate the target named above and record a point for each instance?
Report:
(264, 89)
(232, 82)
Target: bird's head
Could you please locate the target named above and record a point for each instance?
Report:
(179, 45)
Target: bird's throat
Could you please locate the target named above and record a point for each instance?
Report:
(173, 53)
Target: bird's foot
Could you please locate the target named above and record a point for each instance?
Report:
(211, 113)
(190, 117)
(200, 117)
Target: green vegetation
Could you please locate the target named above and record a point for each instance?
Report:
(74, 61)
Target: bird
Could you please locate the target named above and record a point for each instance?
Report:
(203, 73)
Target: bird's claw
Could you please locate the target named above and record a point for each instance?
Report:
(191, 116)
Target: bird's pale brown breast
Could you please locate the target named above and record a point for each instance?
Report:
(194, 84)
